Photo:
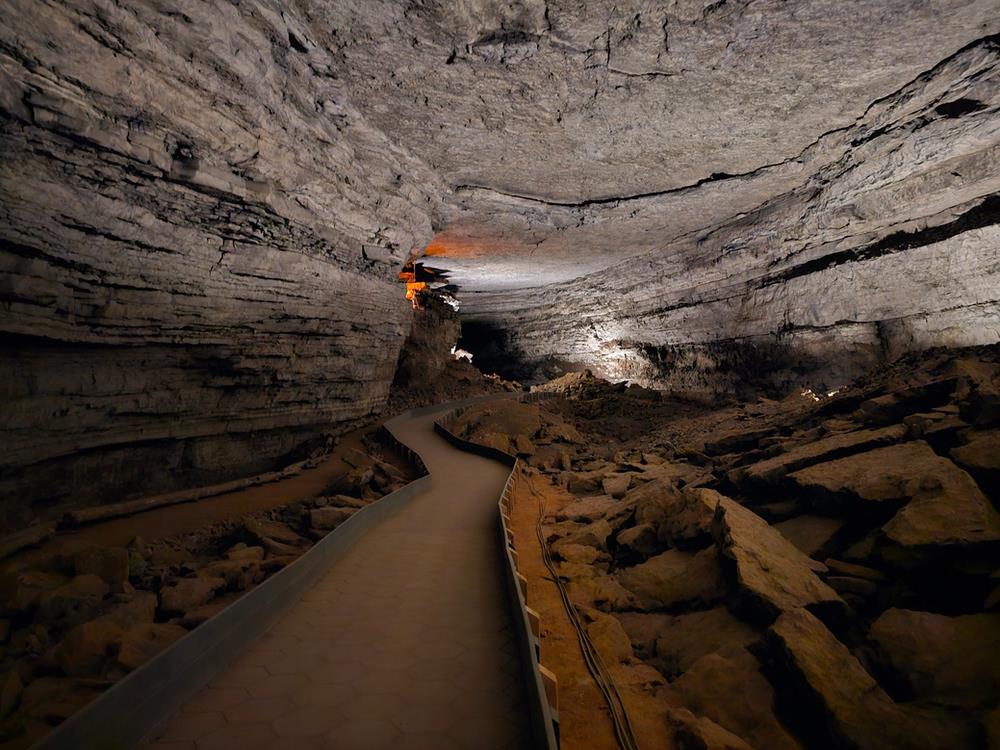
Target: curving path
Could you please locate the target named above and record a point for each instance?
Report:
(406, 642)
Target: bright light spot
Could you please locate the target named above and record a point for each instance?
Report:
(460, 354)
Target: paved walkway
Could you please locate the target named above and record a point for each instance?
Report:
(406, 643)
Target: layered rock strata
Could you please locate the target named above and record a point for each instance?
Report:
(198, 241)
(878, 238)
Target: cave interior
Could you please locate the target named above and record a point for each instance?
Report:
(706, 293)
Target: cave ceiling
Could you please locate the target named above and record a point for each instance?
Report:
(575, 135)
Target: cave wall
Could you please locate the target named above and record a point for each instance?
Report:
(427, 350)
(198, 240)
(890, 242)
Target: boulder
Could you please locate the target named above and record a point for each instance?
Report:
(142, 642)
(563, 433)
(239, 575)
(776, 512)
(639, 540)
(523, 446)
(892, 407)
(728, 688)
(642, 629)
(280, 549)
(110, 564)
(678, 473)
(550, 458)
(839, 567)
(937, 428)
(690, 732)
(586, 483)
(590, 535)
(345, 501)
(674, 578)
(771, 574)
(836, 692)
(55, 699)
(20, 590)
(685, 639)
(580, 553)
(138, 608)
(682, 518)
(188, 593)
(595, 588)
(616, 485)
(608, 637)
(11, 688)
(849, 585)
(737, 441)
(689, 519)
(73, 600)
(981, 458)
(86, 648)
(945, 660)
(809, 533)
(587, 509)
(195, 617)
(261, 531)
(329, 518)
(243, 552)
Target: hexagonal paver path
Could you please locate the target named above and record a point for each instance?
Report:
(407, 642)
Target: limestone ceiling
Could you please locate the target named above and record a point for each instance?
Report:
(576, 134)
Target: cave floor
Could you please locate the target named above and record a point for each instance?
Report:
(406, 643)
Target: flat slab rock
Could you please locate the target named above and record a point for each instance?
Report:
(981, 458)
(682, 640)
(841, 444)
(944, 506)
(809, 533)
(674, 578)
(727, 687)
(947, 660)
(772, 576)
(838, 692)
(587, 509)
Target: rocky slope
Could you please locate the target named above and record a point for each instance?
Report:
(813, 572)
(198, 242)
